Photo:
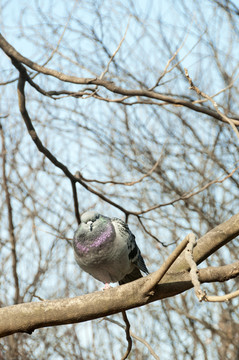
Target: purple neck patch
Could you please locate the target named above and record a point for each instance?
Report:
(104, 237)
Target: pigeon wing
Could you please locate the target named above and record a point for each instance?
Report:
(134, 254)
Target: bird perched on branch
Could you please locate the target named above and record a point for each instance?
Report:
(106, 249)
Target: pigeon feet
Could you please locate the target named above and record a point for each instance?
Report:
(107, 286)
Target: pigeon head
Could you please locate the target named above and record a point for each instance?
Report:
(92, 220)
(90, 216)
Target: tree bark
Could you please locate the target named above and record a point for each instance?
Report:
(30, 316)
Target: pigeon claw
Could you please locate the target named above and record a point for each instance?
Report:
(107, 286)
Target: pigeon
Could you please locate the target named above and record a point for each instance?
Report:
(106, 249)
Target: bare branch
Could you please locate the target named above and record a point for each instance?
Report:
(30, 316)
(11, 231)
(194, 273)
(62, 35)
(187, 196)
(47, 153)
(193, 267)
(118, 47)
(128, 337)
(209, 243)
(13, 54)
(158, 275)
(222, 298)
(128, 183)
(148, 232)
(136, 337)
(199, 92)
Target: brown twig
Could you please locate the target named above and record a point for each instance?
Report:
(183, 197)
(47, 153)
(62, 35)
(136, 337)
(112, 57)
(187, 196)
(126, 183)
(148, 232)
(36, 139)
(78, 177)
(166, 71)
(194, 273)
(10, 220)
(109, 85)
(201, 93)
(158, 275)
(128, 337)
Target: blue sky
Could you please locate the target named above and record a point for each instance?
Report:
(61, 124)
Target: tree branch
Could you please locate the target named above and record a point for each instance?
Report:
(30, 316)
(128, 337)
(10, 220)
(32, 132)
(201, 93)
(136, 337)
(109, 85)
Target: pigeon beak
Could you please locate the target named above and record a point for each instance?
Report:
(91, 225)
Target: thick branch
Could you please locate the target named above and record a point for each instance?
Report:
(209, 243)
(30, 316)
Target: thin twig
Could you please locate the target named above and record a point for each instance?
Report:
(166, 71)
(187, 196)
(112, 57)
(167, 65)
(61, 37)
(128, 337)
(127, 183)
(158, 275)
(109, 85)
(194, 273)
(136, 337)
(201, 93)
(10, 220)
(148, 232)
(201, 101)
(182, 197)
(222, 298)
(45, 151)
